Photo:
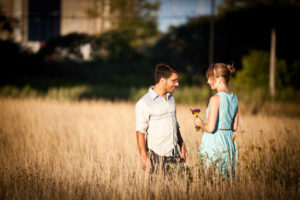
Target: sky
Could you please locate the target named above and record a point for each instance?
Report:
(177, 12)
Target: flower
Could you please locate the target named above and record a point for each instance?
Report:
(196, 112)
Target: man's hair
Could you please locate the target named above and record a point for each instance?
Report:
(163, 70)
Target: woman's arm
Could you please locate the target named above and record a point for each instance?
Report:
(210, 126)
(236, 121)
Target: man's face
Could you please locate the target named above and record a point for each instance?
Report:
(171, 83)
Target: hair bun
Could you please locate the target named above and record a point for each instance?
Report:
(230, 68)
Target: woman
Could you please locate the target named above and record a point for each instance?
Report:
(218, 147)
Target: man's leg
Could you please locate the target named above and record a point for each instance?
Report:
(157, 161)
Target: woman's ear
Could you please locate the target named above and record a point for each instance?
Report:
(220, 80)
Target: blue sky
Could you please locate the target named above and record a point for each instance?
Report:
(176, 12)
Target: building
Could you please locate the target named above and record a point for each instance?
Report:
(36, 21)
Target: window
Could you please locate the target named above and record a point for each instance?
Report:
(43, 19)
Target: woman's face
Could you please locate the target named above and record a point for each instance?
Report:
(211, 82)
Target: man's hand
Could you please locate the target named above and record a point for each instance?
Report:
(146, 164)
(184, 152)
(145, 161)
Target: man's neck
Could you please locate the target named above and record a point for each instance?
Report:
(160, 90)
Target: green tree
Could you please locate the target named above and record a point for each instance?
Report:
(115, 46)
(255, 71)
(294, 79)
(133, 28)
(130, 14)
(6, 26)
(137, 18)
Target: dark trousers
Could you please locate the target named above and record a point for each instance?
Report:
(162, 164)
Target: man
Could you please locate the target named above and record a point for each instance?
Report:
(156, 121)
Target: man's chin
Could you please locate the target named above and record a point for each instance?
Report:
(171, 90)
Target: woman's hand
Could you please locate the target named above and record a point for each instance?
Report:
(198, 122)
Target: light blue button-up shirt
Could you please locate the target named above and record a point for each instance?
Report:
(156, 117)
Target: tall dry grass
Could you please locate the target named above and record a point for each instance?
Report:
(87, 150)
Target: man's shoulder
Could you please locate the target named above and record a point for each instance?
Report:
(146, 99)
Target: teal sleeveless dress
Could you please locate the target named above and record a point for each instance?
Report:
(217, 148)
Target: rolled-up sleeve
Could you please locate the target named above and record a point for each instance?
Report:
(141, 117)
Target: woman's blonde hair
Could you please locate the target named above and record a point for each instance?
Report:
(220, 70)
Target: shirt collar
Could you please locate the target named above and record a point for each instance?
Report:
(154, 95)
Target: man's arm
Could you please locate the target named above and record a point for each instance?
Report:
(142, 120)
(183, 150)
(145, 161)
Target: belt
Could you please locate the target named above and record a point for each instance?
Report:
(221, 129)
(165, 159)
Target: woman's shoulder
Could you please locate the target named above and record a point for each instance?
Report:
(234, 96)
(215, 99)
(230, 94)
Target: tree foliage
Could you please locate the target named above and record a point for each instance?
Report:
(255, 71)
(137, 16)
(134, 28)
(132, 14)
(236, 33)
(66, 47)
(7, 25)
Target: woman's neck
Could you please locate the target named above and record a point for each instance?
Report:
(223, 88)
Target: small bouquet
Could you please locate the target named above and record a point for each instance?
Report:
(196, 112)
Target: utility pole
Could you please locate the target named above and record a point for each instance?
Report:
(272, 64)
(174, 12)
(211, 33)
(272, 70)
(202, 6)
(211, 38)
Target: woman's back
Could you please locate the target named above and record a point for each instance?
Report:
(227, 110)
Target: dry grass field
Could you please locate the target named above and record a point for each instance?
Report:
(87, 150)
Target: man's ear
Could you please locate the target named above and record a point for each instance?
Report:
(163, 80)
